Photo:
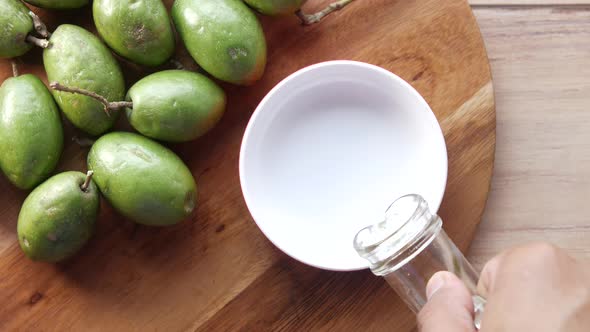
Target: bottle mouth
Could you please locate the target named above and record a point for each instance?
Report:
(405, 220)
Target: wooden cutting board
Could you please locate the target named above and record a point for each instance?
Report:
(217, 271)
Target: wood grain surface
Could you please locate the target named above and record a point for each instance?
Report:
(217, 271)
(540, 59)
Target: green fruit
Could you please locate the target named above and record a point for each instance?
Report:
(15, 25)
(143, 180)
(276, 7)
(138, 30)
(58, 4)
(175, 105)
(224, 37)
(78, 59)
(31, 135)
(58, 217)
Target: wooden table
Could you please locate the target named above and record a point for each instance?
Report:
(540, 57)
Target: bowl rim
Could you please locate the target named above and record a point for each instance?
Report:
(434, 206)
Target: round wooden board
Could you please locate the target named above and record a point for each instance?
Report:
(217, 271)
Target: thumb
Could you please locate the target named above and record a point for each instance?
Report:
(449, 307)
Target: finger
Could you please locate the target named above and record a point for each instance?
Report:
(488, 276)
(534, 255)
(449, 307)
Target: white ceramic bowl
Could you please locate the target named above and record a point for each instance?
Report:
(327, 151)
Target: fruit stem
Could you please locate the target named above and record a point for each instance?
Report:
(117, 105)
(309, 19)
(39, 26)
(14, 68)
(43, 43)
(86, 183)
(108, 106)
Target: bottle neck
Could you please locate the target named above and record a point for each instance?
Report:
(407, 229)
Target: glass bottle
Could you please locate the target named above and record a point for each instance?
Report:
(409, 246)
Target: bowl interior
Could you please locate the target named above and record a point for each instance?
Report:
(329, 149)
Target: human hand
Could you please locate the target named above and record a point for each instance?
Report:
(537, 287)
